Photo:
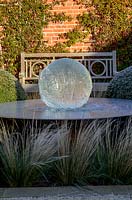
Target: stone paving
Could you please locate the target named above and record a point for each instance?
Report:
(105, 197)
(68, 193)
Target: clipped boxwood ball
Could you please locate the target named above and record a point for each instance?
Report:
(10, 88)
(121, 85)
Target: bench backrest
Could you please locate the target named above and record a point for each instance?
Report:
(101, 65)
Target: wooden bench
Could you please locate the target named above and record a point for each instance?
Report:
(101, 65)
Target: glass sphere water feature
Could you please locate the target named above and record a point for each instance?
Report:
(65, 84)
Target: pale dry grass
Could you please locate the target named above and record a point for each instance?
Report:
(99, 152)
(77, 147)
(114, 153)
(24, 155)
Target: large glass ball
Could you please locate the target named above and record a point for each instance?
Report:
(65, 84)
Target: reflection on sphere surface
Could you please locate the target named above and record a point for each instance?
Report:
(65, 84)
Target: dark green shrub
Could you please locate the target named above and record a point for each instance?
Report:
(121, 85)
(10, 88)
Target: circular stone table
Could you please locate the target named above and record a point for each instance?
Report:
(96, 108)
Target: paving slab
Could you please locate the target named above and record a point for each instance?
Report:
(116, 189)
(95, 197)
(2, 190)
(42, 191)
(66, 192)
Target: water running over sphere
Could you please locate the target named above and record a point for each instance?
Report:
(65, 84)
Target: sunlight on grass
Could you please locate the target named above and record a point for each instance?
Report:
(24, 155)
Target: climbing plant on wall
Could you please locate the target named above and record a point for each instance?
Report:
(23, 22)
(22, 29)
(110, 23)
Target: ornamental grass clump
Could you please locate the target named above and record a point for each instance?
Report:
(76, 148)
(25, 156)
(113, 161)
(97, 152)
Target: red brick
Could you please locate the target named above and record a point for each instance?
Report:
(53, 31)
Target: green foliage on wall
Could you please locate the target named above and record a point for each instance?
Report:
(22, 29)
(110, 23)
(23, 22)
(74, 36)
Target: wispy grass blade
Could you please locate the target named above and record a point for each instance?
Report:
(77, 145)
(114, 155)
(24, 155)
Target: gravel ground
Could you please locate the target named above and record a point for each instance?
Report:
(78, 197)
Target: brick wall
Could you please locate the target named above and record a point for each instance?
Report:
(52, 32)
